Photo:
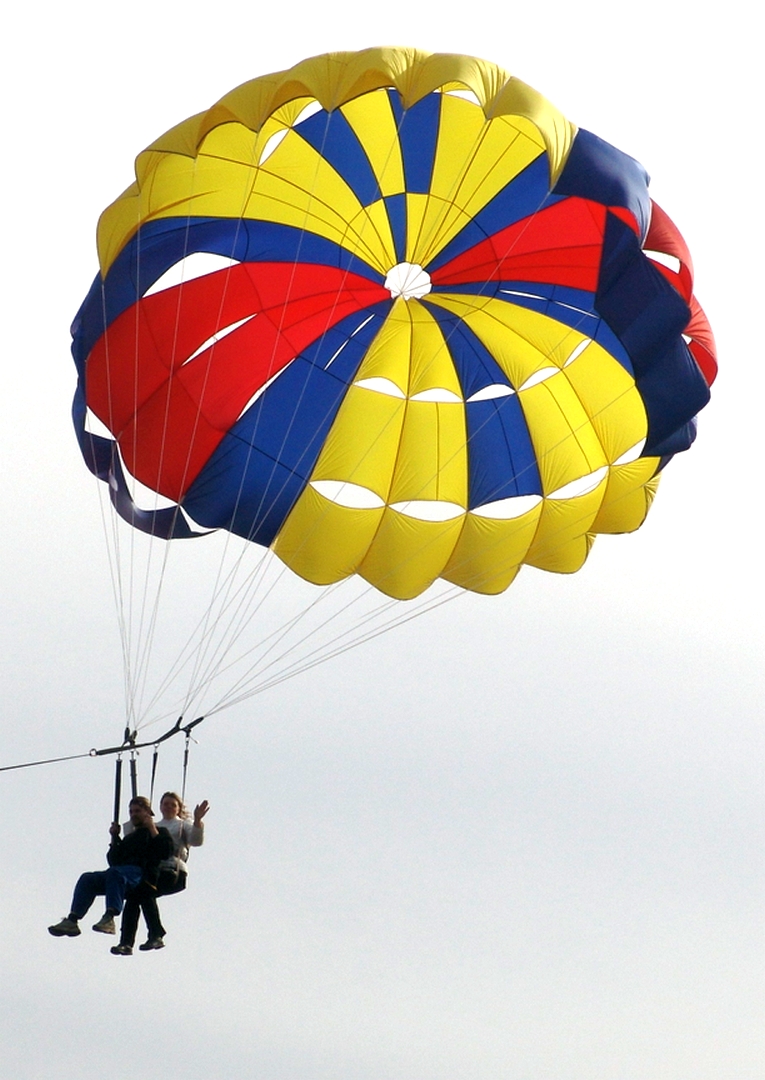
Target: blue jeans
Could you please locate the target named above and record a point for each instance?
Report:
(112, 883)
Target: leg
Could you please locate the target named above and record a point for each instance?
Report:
(130, 918)
(130, 913)
(168, 883)
(150, 910)
(118, 879)
(88, 887)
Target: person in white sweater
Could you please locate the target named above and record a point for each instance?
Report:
(185, 833)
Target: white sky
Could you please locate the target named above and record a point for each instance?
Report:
(514, 840)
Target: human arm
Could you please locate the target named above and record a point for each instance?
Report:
(196, 834)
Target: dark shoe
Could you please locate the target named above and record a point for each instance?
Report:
(65, 928)
(152, 943)
(121, 950)
(105, 925)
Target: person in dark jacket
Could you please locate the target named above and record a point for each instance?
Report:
(186, 833)
(132, 859)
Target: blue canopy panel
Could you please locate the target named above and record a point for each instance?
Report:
(598, 171)
(649, 317)
(501, 459)
(418, 136)
(256, 474)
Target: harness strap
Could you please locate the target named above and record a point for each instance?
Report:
(154, 760)
(117, 788)
(133, 774)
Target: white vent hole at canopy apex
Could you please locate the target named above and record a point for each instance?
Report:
(408, 280)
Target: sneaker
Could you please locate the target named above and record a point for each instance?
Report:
(121, 950)
(105, 925)
(152, 943)
(65, 928)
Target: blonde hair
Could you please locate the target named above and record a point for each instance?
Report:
(182, 811)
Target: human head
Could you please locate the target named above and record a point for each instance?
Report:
(169, 810)
(139, 807)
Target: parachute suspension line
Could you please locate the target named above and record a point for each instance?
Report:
(111, 526)
(183, 658)
(299, 665)
(144, 656)
(145, 639)
(221, 594)
(242, 617)
(247, 609)
(243, 689)
(322, 652)
(185, 765)
(304, 664)
(133, 673)
(120, 590)
(249, 592)
(309, 190)
(325, 651)
(237, 605)
(310, 660)
(191, 648)
(252, 595)
(223, 645)
(136, 660)
(278, 635)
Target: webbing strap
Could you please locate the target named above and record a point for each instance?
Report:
(154, 760)
(133, 774)
(117, 788)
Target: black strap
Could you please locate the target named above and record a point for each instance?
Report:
(133, 774)
(154, 760)
(117, 788)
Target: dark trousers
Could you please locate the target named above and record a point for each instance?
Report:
(112, 883)
(144, 899)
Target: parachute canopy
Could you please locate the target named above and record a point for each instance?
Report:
(390, 314)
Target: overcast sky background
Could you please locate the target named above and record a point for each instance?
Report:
(516, 839)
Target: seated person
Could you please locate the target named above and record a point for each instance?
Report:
(171, 878)
(133, 860)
